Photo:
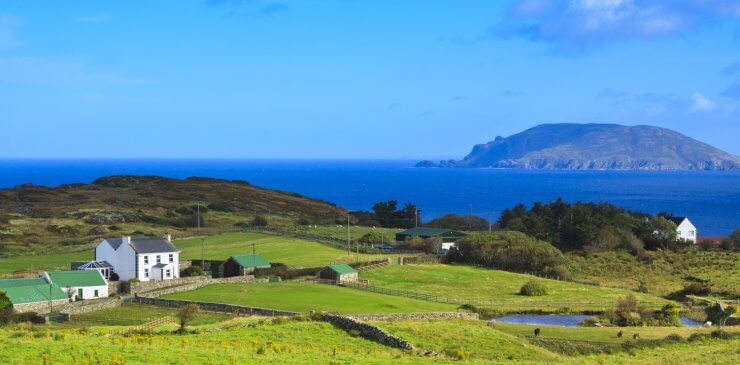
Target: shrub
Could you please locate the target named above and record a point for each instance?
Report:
(628, 312)
(259, 221)
(697, 289)
(186, 315)
(183, 211)
(220, 206)
(669, 315)
(674, 337)
(303, 222)
(533, 289)
(192, 271)
(507, 251)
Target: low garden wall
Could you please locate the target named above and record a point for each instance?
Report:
(401, 316)
(40, 307)
(214, 307)
(85, 306)
(367, 331)
(146, 286)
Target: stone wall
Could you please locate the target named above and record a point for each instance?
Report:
(147, 286)
(202, 283)
(367, 330)
(401, 316)
(214, 307)
(114, 287)
(40, 307)
(85, 306)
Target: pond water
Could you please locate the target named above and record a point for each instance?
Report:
(567, 320)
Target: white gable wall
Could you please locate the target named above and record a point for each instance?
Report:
(687, 231)
(149, 260)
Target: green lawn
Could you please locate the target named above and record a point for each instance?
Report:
(502, 287)
(598, 334)
(467, 339)
(135, 314)
(389, 234)
(303, 297)
(21, 265)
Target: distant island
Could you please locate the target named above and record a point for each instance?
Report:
(595, 147)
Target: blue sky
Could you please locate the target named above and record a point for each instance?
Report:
(355, 79)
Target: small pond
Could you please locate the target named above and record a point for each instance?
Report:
(567, 320)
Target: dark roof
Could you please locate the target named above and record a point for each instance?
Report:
(13, 283)
(115, 242)
(430, 232)
(159, 266)
(152, 245)
(342, 269)
(251, 260)
(677, 220)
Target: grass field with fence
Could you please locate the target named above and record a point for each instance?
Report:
(133, 315)
(497, 289)
(304, 297)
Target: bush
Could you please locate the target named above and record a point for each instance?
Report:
(669, 315)
(186, 315)
(303, 222)
(259, 221)
(533, 289)
(192, 271)
(697, 289)
(220, 206)
(513, 251)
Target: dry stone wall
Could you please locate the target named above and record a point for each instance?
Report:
(402, 316)
(214, 307)
(367, 330)
(40, 307)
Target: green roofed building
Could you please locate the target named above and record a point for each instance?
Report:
(338, 272)
(241, 265)
(79, 284)
(32, 294)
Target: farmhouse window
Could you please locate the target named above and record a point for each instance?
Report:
(159, 259)
(146, 273)
(172, 258)
(96, 293)
(146, 260)
(168, 272)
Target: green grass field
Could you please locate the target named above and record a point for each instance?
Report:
(303, 297)
(468, 282)
(389, 234)
(135, 314)
(598, 334)
(290, 251)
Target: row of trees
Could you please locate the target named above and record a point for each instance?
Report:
(592, 226)
(388, 214)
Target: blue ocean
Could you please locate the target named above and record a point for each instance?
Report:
(710, 199)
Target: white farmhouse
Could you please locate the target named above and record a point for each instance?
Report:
(142, 258)
(685, 229)
(79, 284)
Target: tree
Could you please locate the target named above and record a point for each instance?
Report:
(5, 304)
(459, 222)
(187, 314)
(719, 313)
(628, 311)
(514, 251)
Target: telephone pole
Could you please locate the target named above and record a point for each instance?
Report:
(349, 252)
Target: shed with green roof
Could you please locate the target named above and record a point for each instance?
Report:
(32, 293)
(79, 284)
(338, 272)
(240, 265)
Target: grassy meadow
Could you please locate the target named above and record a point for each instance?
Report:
(304, 297)
(501, 287)
(287, 250)
(135, 314)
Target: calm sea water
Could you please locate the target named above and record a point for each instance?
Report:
(710, 199)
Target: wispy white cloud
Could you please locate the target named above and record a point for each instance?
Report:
(573, 24)
(700, 103)
(9, 25)
(98, 18)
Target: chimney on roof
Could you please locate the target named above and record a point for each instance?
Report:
(167, 236)
(126, 240)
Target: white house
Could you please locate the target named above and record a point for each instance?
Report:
(79, 284)
(142, 258)
(685, 229)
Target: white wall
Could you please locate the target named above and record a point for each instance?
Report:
(88, 292)
(687, 231)
(152, 261)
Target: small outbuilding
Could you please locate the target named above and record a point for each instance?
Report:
(105, 268)
(79, 284)
(241, 265)
(448, 236)
(338, 272)
(32, 294)
(685, 230)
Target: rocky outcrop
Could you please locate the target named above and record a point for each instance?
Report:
(595, 147)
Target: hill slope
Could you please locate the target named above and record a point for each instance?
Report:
(117, 205)
(596, 146)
